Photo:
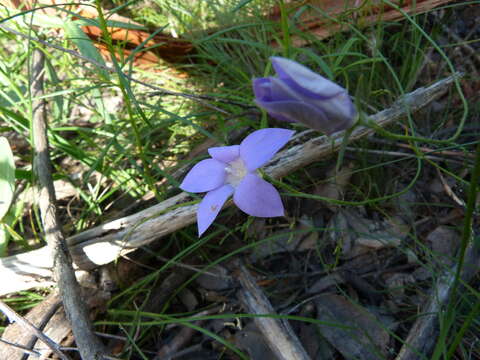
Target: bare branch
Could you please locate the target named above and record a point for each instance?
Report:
(278, 334)
(102, 244)
(88, 344)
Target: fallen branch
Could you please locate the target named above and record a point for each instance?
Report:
(277, 333)
(103, 244)
(88, 344)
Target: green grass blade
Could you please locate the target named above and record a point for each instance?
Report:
(85, 45)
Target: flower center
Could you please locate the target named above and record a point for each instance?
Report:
(236, 171)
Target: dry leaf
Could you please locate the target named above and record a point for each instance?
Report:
(325, 282)
(286, 240)
(316, 346)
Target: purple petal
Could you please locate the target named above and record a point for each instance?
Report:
(257, 197)
(308, 115)
(207, 175)
(210, 207)
(225, 154)
(339, 111)
(260, 146)
(329, 110)
(262, 88)
(304, 80)
(272, 89)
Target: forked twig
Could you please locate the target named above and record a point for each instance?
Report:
(102, 244)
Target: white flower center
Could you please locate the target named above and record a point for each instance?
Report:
(236, 171)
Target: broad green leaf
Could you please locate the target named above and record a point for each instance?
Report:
(7, 176)
(85, 45)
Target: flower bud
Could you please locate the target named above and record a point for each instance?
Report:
(298, 94)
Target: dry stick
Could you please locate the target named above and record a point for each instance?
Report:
(278, 334)
(104, 243)
(40, 317)
(28, 326)
(423, 334)
(21, 348)
(89, 346)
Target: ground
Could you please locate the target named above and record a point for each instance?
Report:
(377, 254)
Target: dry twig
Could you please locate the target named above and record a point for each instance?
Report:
(89, 346)
(16, 336)
(278, 334)
(28, 326)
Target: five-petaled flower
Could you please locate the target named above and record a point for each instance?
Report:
(299, 94)
(234, 170)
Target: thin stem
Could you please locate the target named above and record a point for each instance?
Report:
(466, 238)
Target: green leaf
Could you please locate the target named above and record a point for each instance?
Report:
(7, 176)
(85, 45)
(240, 5)
(4, 237)
(21, 174)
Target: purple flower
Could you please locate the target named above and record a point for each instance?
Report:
(233, 170)
(299, 94)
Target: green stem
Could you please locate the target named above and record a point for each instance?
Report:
(466, 238)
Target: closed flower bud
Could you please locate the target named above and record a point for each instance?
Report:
(298, 94)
